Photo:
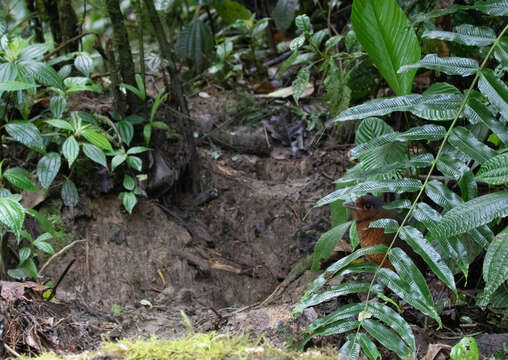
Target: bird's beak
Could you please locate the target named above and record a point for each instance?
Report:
(351, 205)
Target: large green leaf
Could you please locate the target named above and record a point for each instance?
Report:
(42, 72)
(448, 65)
(351, 348)
(339, 265)
(495, 170)
(230, 11)
(70, 150)
(408, 283)
(12, 85)
(472, 214)
(94, 153)
(495, 90)
(283, 13)
(462, 139)
(26, 133)
(195, 42)
(69, 193)
(20, 178)
(464, 34)
(388, 37)
(387, 337)
(493, 7)
(326, 243)
(423, 248)
(84, 63)
(495, 266)
(333, 292)
(476, 112)
(47, 168)
(12, 215)
(97, 139)
(34, 51)
(368, 346)
(370, 128)
(344, 312)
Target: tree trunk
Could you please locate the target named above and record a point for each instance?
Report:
(121, 45)
(54, 24)
(68, 24)
(177, 93)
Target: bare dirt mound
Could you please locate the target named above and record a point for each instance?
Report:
(231, 251)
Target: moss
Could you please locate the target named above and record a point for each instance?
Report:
(195, 346)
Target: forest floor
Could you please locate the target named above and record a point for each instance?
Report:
(235, 263)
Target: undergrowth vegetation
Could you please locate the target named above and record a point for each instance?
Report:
(455, 196)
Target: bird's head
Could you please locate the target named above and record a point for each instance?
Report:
(367, 207)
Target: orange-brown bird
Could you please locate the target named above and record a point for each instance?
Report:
(369, 208)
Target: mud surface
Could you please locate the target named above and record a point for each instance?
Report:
(208, 261)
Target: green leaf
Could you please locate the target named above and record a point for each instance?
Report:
(283, 13)
(448, 65)
(159, 125)
(42, 72)
(406, 286)
(370, 128)
(60, 124)
(495, 170)
(195, 42)
(333, 292)
(34, 51)
(423, 248)
(230, 11)
(47, 168)
(70, 150)
(344, 312)
(95, 154)
(438, 107)
(495, 266)
(391, 318)
(494, 89)
(302, 23)
(326, 243)
(137, 150)
(97, 139)
(126, 131)
(368, 347)
(493, 7)
(128, 182)
(441, 195)
(388, 37)
(300, 83)
(339, 265)
(472, 214)
(57, 105)
(353, 236)
(386, 337)
(129, 200)
(24, 253)
(462, 139)
(84, 63)
(26, 133)
(12, 85)
(69, 193)
(337, 327)
(477, 112)
(147, 133)
(12, 215)
(468, 186)
(464, 34)
(135, 162)
(44, 246)
(350, 349)
(117, 160)
(465, 349)
(20, 178)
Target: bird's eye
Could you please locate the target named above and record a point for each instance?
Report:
(368, 206)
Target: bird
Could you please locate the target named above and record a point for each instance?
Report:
(369, 208)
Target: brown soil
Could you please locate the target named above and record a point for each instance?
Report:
(209, 260)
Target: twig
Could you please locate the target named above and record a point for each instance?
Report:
(65, 43)
(59, 253)
(12, 351)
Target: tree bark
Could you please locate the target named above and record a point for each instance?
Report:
(177, 93)
(121, 45)
(54, 24)
(68, 23)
